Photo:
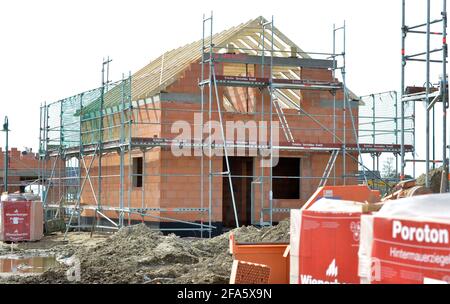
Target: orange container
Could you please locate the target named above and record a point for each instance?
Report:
(357, 193)
(274, 255)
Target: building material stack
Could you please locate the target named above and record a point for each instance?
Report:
(407, 241)
(324, 242)
(21, 218)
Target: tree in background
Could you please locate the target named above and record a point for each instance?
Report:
(388, 170)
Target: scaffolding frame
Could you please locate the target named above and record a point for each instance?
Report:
(430, 95)
(272, 85)
(68, 150)
(379, 122)
(53, 155)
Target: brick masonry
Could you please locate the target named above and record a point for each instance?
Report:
(23, 167)
(249, 273)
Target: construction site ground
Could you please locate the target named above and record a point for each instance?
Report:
(137, 254)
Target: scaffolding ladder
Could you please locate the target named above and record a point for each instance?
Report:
(283, 121)
(328, 168)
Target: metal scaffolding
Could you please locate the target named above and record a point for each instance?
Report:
(275, 85)
(379, 123)
(430, 94)
(78, 133)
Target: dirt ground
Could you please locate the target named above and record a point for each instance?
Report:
(137, 254)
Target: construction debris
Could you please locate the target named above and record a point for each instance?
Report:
(406, 188)
(435, 176)
(137, 254)
(415, 187)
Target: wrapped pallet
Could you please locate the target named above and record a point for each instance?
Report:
(21, 218)
(324, 242)
(407, 241)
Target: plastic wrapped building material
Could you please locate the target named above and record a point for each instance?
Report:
(21, 220)
(407, 241)
(324, 242)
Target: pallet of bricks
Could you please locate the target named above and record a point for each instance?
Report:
(21, 217)
(406, 240)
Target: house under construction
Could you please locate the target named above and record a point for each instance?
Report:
(139, 149)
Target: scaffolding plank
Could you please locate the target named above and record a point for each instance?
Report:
(365, 148)
(243, 81)
(276, 61)
(139, 142)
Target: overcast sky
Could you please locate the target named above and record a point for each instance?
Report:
(54, 49)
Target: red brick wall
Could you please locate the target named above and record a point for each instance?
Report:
(20, 165)
(149, 197)
(181, 186)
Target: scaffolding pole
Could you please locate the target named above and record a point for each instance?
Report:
(427, 96)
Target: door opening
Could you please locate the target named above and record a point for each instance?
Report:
(241, 171)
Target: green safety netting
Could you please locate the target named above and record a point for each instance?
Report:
(77, 120)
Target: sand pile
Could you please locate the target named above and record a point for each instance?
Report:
(137, 254)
